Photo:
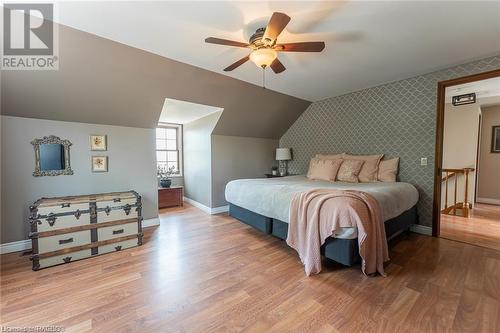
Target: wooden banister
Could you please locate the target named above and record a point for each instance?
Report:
(462, 170)
(448, 176)
(464, 206)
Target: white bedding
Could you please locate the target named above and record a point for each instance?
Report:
(271, 197)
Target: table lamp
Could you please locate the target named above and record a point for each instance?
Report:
(283, 155)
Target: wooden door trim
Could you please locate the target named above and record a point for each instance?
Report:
(436, 210)
(478, 153)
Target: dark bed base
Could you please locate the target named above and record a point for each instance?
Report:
(344, 251)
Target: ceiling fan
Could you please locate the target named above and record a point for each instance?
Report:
(264, 47)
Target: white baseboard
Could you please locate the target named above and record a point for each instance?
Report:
(26, 244)
(488, 201)
(221, 209)
(150, 222)
(206, 209)
(421, 229)
(201, 206)
(15, 246)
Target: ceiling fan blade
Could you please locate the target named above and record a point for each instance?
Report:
(301, 47)
(277, 66)
(275, 26)
(236, 64)
(220, 41)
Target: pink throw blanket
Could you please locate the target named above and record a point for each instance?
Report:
(316, 214)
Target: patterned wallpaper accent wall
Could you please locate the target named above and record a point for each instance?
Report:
(397, 119)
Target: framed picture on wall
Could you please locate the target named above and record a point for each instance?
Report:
(99, 164)
(98, 142)
(495, 140)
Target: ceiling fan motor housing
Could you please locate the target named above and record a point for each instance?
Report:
(258, 41)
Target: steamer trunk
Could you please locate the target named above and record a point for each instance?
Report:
(66, 229)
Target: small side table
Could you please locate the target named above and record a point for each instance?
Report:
(270, 175)
(170, 196)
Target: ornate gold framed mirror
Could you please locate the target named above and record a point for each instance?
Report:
(52, 157)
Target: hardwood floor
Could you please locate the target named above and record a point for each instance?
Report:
(202, 273)
(482, 228)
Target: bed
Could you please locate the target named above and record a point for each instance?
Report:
(264, 204)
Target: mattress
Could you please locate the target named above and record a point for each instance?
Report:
(271, 197)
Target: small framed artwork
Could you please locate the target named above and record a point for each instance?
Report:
(98, 142)
(99, 164)
(495, 139)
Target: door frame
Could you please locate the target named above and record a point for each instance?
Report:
(438, 165)
(478, 153)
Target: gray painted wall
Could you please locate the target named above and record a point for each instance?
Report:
(489, 163)
(197, 159)
(132, 166)
(398, 119)
(104, 82)
(238, 157)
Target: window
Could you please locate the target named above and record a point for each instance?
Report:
(169, 147)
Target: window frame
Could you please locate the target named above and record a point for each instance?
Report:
(178, 128)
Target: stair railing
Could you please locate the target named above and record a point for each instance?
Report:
(458, 208)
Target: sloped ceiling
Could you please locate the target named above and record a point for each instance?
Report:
(181, 112)
(367, 42)
(104, 82)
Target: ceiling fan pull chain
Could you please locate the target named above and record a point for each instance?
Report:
(264, 77)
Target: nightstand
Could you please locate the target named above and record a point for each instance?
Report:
(170, 197)
(270, 175)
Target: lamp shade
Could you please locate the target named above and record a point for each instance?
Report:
(283, 154)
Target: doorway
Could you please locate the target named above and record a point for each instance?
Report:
(467, 181)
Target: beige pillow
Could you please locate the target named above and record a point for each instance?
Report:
(322, 169)
(369, 170)
(330, 157)
(349, 171)
(388, 170)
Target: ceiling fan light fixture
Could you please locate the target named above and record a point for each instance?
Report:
(263, 57)
(264, 45)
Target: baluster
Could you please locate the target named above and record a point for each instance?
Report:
(455, 197)
(446, 194)
(465, 208)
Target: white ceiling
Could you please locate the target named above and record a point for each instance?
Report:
(483, 89)
(180, 112)
(367, 43)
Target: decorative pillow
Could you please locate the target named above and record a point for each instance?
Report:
(349, 171)
(330, 157)
(321, 169)
(388, 170)
(369, 170)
